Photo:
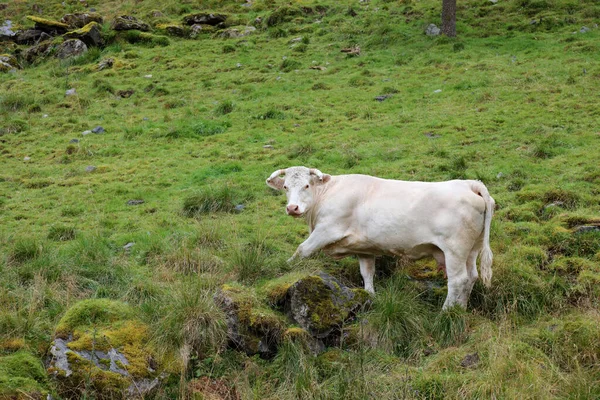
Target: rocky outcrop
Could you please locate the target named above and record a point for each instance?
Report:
(128, 23)
(49, 26)
(71, 48)
(204, 19)
(90, 34)
(100, 346)
(79, 20)
(38, 51)
(31, 36)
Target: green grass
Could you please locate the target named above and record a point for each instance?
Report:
(510, 102)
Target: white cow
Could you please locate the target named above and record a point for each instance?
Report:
(366, 216)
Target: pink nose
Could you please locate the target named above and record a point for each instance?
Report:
(292, 209)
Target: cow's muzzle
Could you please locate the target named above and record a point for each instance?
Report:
(293, 210)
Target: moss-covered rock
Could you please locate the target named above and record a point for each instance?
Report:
(71, 48)
(101, 346)
(22, 376)
(205, 19)
(8, 62)
(90, 34)
(173, 29)
(127, 23)
(39, 51)
(79, 20)
(251, 327)
(48, 25)
(321, 304)
(237, 32)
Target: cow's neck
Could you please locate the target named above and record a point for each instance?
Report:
(311, 214)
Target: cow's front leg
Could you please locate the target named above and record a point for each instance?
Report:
(318, 239)
(367, 270)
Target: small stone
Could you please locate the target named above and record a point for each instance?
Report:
(493, 1)
(127, 22)
(135, 202)
(432, 135)
(147, 76)
(128, 246)
(74, 141)
(268, 146)
(555, 204)
(90, 168)
(45, 116)
(71, 92)
(239, 208)
(584, 29)
(437, 91)
(470, 360)
(296, 40)
(587, 228)
(157, 14)
(145, 119)
(98, 129)
(500, 175)
(6, 29)
(26, 158)
(239, 65)
(86, 133)
(382, 97)
(92, 9)
(107, 63)
(432, 30)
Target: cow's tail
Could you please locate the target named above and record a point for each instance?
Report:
(486, 252)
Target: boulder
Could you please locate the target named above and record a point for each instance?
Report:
(22, 376)
(237, 32)
(173, 29)
(197, 29)
(320, 304)
(204, 19)
(49, 26)
(127, 23)
(432, 30)
(71, 48)
(89, 34)
(8, 63)
(6, 29)
(79, 20)
(251, 327)
(31, 36)
(41, 50)
(101, 347)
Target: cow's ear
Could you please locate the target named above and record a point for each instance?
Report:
(275, 183)
(326, 178)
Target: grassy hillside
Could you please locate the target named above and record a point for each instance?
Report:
(513, 101)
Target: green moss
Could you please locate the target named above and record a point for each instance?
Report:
(93, 312)
(85, 29)
(22, 373)
(275, 290)
(48, 22)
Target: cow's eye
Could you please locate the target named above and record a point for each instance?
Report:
(306, 187)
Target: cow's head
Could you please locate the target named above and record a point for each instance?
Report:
(299, 184)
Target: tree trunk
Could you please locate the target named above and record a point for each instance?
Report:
(449, 17)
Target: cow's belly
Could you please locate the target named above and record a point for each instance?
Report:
(357, 245)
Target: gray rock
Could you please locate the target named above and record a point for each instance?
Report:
(26, 158)
(90, 168)
(268, 146)
(31, 36)
(8, 63)
(98, 129)
(555, 204)
(127, 22)
(432, 30)
(382, 97)
(128, 246)
(6, 29)
(237, 32)
(204, 18)
(106, 63)
(59, 355)
(296, 40)
(584, 29)
(40, 50)
(135, 202)
(432, 135)
(493, 1)
(470, 361)
(587, 228)
(437, 91)
(74, 141)
(70, 92)
(86, 133)
(79, 20)
(500, 175)
(71, 48)
(239, 208)
(195, 30)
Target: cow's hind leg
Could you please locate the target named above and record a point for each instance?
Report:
(459, 283)
(472, 267)
(367, 270)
